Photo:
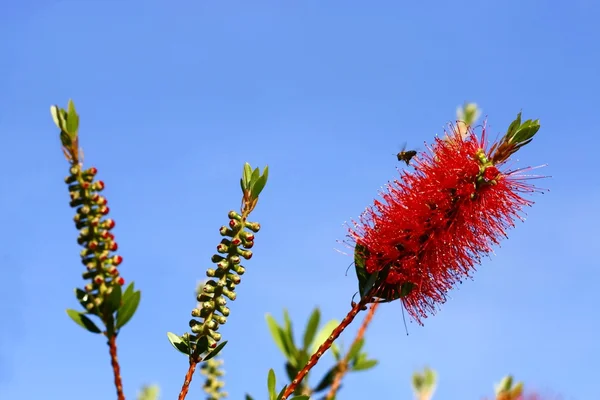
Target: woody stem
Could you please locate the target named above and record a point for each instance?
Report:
(112, 344)
(188, 379)
(343, 364)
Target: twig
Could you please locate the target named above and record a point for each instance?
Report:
(112, 344)
(343, 364)
(188, 379)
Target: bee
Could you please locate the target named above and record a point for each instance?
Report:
(406, 155)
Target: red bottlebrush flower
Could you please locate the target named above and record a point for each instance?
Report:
(434, 224)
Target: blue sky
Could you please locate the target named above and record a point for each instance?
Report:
(175, 97)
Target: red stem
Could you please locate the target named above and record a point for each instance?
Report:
(343, 365)
(112, 344)
(325, 346)
(188, 379)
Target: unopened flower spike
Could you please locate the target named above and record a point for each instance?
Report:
(433, 225)
(213, 385)
(202, 342)
(102, 296)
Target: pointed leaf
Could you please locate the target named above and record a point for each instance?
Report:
(215, 351)
(248, 397)
(360, 256)
(311, 328)
(128, 292)
(65, 139)
(302, 397)
(83, 321)
(178, 343)
(258, 186)
(335, 350)
(406, 288)
(324, 334)
(291, 370)
(355, 349)
(130, 305)
(271, 381)
(280, 395)
(247, 175)
(113, 302)
(288, 336)
(72, 120)
(327, 380)
(512, 128)
(364, 365)
(254, 176)
(277, 334)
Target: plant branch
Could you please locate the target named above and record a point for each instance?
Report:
(343, 364)
(327, 344)
(188, 379)
(112, 344)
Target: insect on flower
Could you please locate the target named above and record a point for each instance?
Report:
(406, 155)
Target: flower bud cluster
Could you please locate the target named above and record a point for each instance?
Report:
(212, 307)
(213, 385)
(95, 236)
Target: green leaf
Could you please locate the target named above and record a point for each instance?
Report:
(255, 175)
(327, 380)
(291, 370)
(364, 365)
(58, 116)
(248, 397)
(65, 139)
(258, 186)
(72, 120)
(324, 334)
(128, 291)
(215, 351)
(512, 128)
(179, 343)
(365, 280)
(406, 288)
(201, 344)
(242, 185)
(335, 350)
(288, 337)
(247, 176)
(83, 321)
(280, 395)
(302, 397)
(271, 385)
(311, 328)
(113, 302)
(149, 393)
(277, 334)
(130, 305)
(355, 349)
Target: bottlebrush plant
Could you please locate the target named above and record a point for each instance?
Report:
(427, 232)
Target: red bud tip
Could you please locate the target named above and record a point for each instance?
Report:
(117, 260)
(120, 281)
(114, 246)
(98, 280)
